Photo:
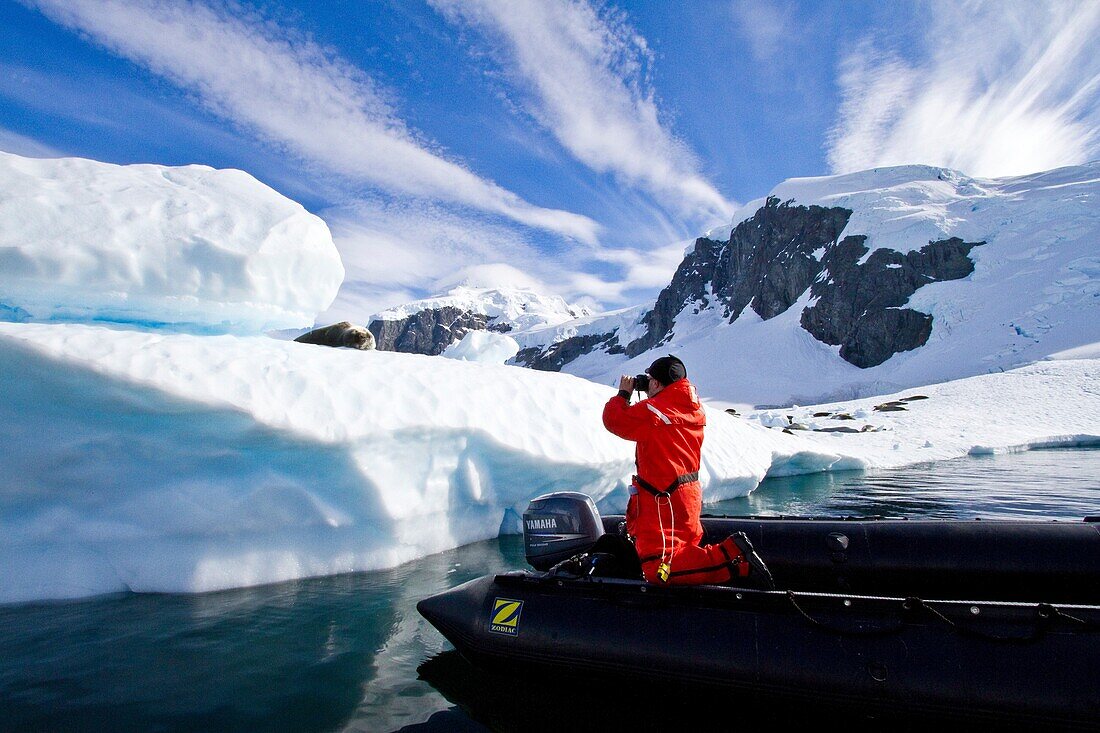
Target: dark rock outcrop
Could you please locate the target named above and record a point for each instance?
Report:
(343, 334)
(428, 331)
(768, 262)
(859, 305)
(553, 357)
(773, 257)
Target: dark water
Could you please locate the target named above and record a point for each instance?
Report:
(1039, 484)
(351, 653)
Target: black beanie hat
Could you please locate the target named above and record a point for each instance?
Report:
(667, 370)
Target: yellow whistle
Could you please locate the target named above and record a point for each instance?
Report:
(663, 571)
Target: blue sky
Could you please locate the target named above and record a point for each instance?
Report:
(570, 146)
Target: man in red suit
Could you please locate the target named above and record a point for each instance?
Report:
(666, 498)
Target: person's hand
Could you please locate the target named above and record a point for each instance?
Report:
(626, 384)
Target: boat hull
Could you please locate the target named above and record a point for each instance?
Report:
(949, 655)
(1001, 661)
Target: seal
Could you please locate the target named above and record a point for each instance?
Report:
(340, 334)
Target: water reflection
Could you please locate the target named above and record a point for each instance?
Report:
(311, 655)
(1045, 484)
(518, 703)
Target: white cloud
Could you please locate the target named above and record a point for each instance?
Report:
(595, 287)
(766, 26)
(13, 142)
(358, 300)
(491, 275)
(397, 251)
(585, 77)
(1000, 89)
(651, 268)
(292, 92)
(412, 243)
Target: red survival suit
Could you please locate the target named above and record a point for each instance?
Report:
(666, 498)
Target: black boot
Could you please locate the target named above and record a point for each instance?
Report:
(756, 563)
(571, 567)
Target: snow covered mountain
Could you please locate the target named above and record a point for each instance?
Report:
(867, 283)
(430, 325)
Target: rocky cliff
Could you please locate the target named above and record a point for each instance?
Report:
(771, 261)
(427, 331)
(767, 263)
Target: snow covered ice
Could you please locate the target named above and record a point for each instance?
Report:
(485, 346)
(191, 247)
(173, 462)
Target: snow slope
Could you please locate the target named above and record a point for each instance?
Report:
(172, 462)
(1034, 292)
(191, 247)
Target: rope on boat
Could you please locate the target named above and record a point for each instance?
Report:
(883, 631)
(1055, 611)
(1045, 613)
(1037, 631)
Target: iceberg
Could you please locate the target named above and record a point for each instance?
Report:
(166, 462)
(191, 247)
(485, 346)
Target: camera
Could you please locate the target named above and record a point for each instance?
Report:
(641, 383)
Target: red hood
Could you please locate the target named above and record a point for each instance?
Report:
(680, 403)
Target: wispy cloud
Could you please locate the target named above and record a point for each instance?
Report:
(286, 88)
(13, 142)
(396, 251)
(584, 78)
(999, 89)
(766, 26)
(653, 268)
(409, 243)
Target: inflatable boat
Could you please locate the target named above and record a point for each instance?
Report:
(986, 618)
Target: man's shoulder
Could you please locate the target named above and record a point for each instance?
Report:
(680, 403)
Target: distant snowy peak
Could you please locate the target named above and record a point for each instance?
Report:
(870, 281)
(430, 325)
(551, 348)
(519, 307)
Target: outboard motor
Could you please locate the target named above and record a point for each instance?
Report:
(559, 525)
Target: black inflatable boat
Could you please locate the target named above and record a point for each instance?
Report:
(962, 617)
